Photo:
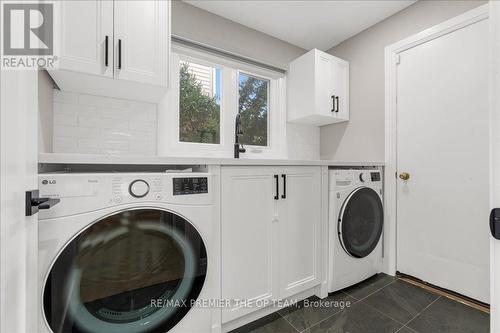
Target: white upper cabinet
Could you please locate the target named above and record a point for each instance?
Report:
(115, 48)
(141, 41)
(318, 89)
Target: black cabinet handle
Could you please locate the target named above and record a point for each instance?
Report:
(283, 196)
(337, 103)
(106, 51)
(333, 103)
(119, 54)
(276, 197)
(35, 203)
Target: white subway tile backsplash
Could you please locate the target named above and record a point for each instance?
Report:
(101, 125)
(107, 112)
(89, 121)
(303, 142)
(62, 142)
(65, 119)
(141, 125)
(65, 97)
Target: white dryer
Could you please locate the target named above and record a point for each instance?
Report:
(356, 221)
(129, 253)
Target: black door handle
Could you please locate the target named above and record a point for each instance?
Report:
(495, 223)
(337, 103)
(276, 197)
(106, 50)
(119, 54)
(283, 196)
(35, 203)
(333, 103)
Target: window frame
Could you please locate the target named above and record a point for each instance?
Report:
(168, 112)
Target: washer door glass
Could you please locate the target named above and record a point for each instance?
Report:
(132, 272)
(361, 222)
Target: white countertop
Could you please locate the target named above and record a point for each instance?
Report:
(58, 158)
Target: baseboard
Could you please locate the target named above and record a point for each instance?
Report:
(481, 306)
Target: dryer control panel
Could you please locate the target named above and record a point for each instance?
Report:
(79, 193)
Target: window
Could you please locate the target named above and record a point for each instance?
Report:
(253, 108)
(208, 92)
(199, 103)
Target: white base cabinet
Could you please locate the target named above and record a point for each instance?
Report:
(270, 234)
(318, 89)
(114, 48)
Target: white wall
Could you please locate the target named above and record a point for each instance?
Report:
(362, 138)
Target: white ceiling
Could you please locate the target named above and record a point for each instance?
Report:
(306, 23)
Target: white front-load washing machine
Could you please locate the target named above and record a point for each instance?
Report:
(356, 221)
(129, 253)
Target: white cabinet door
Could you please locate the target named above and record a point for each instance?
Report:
(340, 88)
(299, 211)
(324, 66)
(141, 38)
(83, 27)
(248, 217)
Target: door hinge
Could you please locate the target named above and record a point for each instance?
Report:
(398, 59)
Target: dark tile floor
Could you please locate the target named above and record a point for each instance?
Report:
(381, 304)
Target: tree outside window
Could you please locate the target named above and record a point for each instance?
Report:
(199, 103)
(253, 108)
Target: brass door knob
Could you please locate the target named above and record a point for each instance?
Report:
(404, 175)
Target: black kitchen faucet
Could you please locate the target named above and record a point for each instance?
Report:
(238, 130)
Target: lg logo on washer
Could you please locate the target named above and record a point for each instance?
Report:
(48, 182)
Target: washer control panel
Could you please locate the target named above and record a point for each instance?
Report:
(190, 185)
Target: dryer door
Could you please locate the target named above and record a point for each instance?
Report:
(361, 221)
(131, 272)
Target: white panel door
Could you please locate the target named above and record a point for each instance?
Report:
(19, 304)
(248, 217)
(83, 27)
(141, 40)
(443, 143)
(299, 229)
(495, 161)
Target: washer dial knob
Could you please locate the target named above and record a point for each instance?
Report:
(363, 177)
(139, 188)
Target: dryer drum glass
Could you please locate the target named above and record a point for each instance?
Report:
(361, 222)
(132, 272)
